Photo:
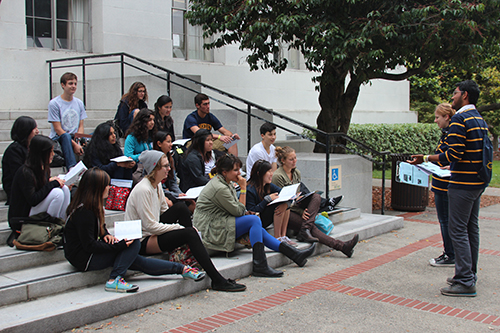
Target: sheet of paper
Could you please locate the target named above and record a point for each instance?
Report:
(128, 229)
(230, 144)
(192, 193)
(74, 174)
(410, 174)
(121, 159)
(434, 169)
(287, 193)
(180, 142)
(121, 182)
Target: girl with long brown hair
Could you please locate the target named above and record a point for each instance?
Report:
(135, 99)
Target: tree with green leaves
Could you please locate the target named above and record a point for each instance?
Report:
(350, 42)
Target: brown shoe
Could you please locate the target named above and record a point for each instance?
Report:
(348, 248)
(305, 236)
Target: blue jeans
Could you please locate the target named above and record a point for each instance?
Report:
(464, 232)
(67, 149)
(129, 258)
(441, 199)
(253, 225)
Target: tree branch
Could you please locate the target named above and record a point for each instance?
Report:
(489, 107)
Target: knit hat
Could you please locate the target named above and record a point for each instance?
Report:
(149, 159)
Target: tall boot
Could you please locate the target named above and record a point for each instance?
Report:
(348, 248)
(298, 256)
(260, 266)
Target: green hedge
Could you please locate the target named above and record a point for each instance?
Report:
(397, 138)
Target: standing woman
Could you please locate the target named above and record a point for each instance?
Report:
(88, 245)
(33, 190)
(260, 193)
(23, 130)
(199, 160)
(160, 230)
(163, 120)
(443, 114)
(221, 218)
(135, 99)
(102, 148)
(302, 216)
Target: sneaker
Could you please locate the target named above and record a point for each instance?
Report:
(450, 281)
(335, 201)
(442, 261)
(459, 290)
(119, 285)
(191, 273)
(287, 240)
(229, 285)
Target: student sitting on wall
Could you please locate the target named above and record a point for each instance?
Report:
(134, 100)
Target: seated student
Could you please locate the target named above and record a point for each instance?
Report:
(159, 228)
(102, 148)
(221, 218)
(23, 130)
(135, 99)
(201, 118)
(88, 245)
(66, 115)
(263, 150)
(33, 190)
(260, 192)
(140, 134)
(302, 216)
(163, 142)
(199, 160)
(163, 120)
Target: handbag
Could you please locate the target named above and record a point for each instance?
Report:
(117, 198)
(183, 256)
(40, 232)
(323, 223)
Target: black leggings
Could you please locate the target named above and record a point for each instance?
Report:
(178, 213)
(175, 238)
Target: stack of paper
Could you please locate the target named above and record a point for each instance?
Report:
(74, 174)
(128, 229)
(192, 193)
(409, 174)
(287, 193)
(121, 159)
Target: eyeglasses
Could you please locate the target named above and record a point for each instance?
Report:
(166, 166)
(141, 91)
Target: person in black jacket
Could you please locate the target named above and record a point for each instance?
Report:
(199, 160)
(89, 246)
(33, 190)
(23, 130)
(102, 148)
(135, 99)
(163, 119)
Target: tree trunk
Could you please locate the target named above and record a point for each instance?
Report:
(337, 105)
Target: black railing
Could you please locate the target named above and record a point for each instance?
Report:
(124, 60)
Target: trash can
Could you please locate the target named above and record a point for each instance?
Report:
(405, 197)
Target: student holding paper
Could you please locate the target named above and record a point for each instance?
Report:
(88, 245)
(260, 193)
(221, 218)
(33, 190)
(147, 203)
(302, 216)
(102, 148)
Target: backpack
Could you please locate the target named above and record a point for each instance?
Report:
(40, 232)
(485, 171)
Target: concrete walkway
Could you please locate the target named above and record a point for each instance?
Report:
(388, 286)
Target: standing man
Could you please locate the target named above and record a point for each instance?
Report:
(66, 114)
(202, 118)
(465, 155)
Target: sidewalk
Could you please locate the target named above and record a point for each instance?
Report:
(387, 286)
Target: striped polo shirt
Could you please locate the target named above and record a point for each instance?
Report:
(439, 184)
(465, 148)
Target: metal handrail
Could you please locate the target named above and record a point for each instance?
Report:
(168, 79)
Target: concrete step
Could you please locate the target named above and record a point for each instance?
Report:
(71, 308)
(41, 115)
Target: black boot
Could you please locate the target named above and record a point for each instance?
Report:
(260, 267)
(298, 256)
(348, 248)
(305, 236)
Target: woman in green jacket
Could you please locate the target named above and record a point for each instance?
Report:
(221, 218)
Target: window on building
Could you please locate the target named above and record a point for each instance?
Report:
(187, 40)
(58, 24)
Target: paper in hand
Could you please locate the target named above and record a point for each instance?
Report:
(128, 229)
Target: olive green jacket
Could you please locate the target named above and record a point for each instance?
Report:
(214, 216)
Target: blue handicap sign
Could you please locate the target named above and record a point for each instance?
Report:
(335, 174)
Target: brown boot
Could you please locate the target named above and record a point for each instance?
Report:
(348, 248)
(305, 236)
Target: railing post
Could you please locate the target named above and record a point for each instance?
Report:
(249, 128)
(168, 84)
(382, 211)
(84, 83)
(327, 187)
(50, 81)
(122, 73)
